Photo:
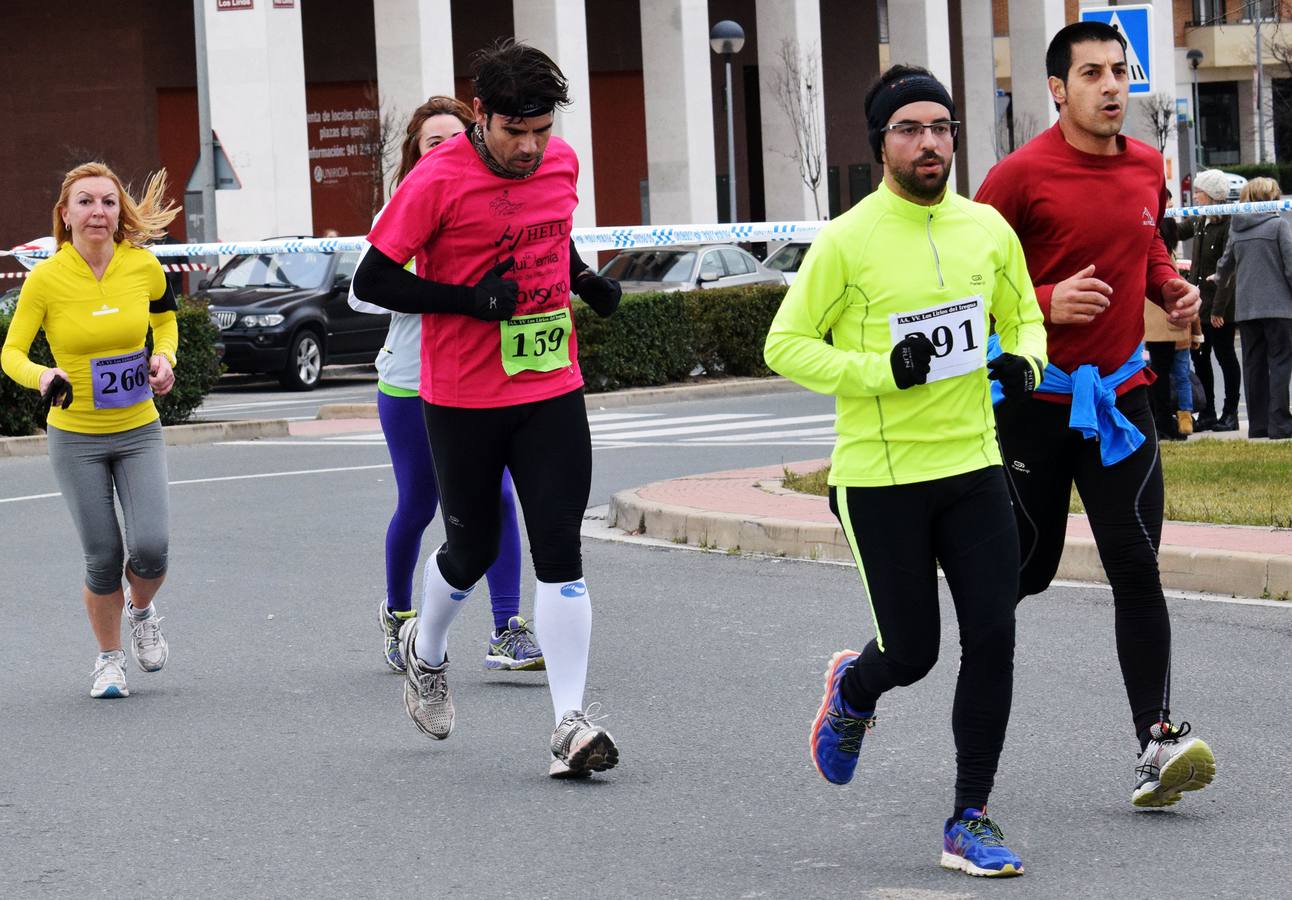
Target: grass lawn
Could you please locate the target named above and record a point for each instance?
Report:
(1225, 482)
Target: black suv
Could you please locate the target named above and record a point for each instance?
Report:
(287, 314)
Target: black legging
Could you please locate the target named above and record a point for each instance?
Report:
(1219, 341)
(1043, 458)
(548, 448)
(899, 535)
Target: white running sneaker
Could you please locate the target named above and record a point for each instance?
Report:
(1170, 765)
(110, 676)
(147, 642)
(580, 747)
(427, 697)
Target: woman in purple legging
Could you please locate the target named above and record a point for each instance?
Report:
(512, 645)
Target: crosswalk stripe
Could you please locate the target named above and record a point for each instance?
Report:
(675, 420)
(723, 426)
(765, 435)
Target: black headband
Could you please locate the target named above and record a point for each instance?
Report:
(896, 94)
(525, 109)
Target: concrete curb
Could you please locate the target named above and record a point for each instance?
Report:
(731, 387)
(1226, 572)
(174, 435)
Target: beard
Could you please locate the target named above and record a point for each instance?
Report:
(923, 186)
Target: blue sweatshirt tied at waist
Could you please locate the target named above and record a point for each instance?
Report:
(1094, 402)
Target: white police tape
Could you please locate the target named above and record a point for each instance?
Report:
(1229, 209)
(592, 239)
(169, 267)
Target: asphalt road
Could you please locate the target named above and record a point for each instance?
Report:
(272, 756)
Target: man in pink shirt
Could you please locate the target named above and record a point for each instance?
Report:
(488, 218)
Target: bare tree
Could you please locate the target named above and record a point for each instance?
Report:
(379, 147)
(796, 86)
(1013, 131)
(1159, 112)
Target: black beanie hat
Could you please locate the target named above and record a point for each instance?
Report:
(897, 93)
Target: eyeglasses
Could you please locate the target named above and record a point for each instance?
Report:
(943, 131)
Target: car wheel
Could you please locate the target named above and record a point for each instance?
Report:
(304, 362)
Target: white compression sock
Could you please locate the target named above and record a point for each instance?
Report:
(563, 626)
(441, 603)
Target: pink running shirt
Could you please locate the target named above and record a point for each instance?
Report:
(459, 220)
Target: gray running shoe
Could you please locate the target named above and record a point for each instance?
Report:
(110, 676)
(390, 625)
(427, 697)
(580, 747)
(147, 642)
(1170, 765)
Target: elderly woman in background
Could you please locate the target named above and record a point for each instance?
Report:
(1210, 235)
(1260, 248)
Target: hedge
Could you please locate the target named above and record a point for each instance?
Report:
(196, 372)
(1280, 172)
(659, 338)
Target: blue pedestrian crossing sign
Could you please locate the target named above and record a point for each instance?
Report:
(1136, 25)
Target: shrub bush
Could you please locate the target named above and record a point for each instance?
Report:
(195, 374)
(658, 338)
(1280, 172)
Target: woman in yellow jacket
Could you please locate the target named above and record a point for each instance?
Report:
(96, 299)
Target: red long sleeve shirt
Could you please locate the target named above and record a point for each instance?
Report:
(1072, 209)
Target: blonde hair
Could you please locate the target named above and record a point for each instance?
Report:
(141, 221)
(1259, 189)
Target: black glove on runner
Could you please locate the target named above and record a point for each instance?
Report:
(1016, 375)
(602, 294)
(910, 360)
(58, 387)
(493, 298)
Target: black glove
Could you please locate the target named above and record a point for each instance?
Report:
(1016, 375)
(602, 294)
(493, 298)
(910, 360)
(58, 387)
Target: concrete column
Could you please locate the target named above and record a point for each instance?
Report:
(1032, 23)
(414, 54)
(1163, 82)
(795, 24)
(978, 134)
(679, 112)
(919, 34)
(256, 62)
(1249, 146)
(559, 29)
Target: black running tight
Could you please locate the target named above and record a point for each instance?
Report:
(548, 449)
(899, 535)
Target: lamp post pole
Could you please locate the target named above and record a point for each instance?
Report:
(1195, 58)
(726, 38)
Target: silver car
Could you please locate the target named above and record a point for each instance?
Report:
(687, 267)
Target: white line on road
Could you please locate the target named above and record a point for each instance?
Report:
(228, 478)
(764, 435)
(724, 426)
(653, 423)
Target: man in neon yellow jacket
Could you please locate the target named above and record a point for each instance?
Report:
(891, 313)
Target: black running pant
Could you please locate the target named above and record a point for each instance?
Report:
(1219, 341)
(548, 448)
(1043, 459)
(898, 536)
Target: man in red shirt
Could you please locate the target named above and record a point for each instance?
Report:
(1086, 201)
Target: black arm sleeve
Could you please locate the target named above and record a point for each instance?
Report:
(381, 281)
(166, 302)
(577, 265)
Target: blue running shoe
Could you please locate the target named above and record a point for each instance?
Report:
(837, 736)
(975, 845)
(391, 622)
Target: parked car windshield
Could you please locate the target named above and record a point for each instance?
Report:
(788, 258)
(275, 270)
(651, 265)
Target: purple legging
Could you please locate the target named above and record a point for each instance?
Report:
(410, 452)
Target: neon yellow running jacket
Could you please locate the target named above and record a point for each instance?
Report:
(833, 334)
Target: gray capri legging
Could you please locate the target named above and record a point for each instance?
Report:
(88, 467)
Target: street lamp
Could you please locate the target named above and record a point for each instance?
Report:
(1194, 56)
(726, 38)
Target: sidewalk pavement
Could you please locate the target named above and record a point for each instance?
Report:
(750, 511)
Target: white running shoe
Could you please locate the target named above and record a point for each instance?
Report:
(427, 697)
(147, 642)
(110, 676)
(580, 747)
(1170, 765)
